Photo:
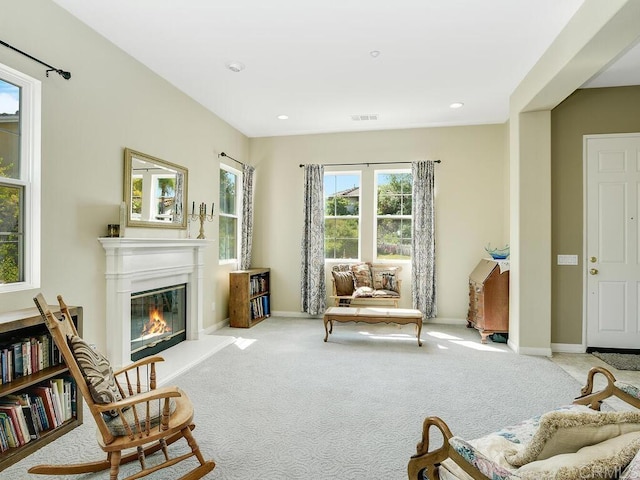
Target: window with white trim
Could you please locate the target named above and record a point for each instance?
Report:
(229, 213)
(20, 107)
(342, 215)
(393, 214)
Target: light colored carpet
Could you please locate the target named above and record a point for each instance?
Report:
(282, 404)
(621, 361)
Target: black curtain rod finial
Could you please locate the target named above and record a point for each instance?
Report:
(64, 74)
(222, 154)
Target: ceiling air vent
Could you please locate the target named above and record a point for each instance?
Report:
(362, 118)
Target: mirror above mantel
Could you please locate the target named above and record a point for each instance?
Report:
(155, 191)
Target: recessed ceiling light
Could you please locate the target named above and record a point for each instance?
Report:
(456, 105)
(374, 53)
(283, 117)
(235, 66)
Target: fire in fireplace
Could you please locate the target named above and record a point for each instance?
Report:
(158, 320)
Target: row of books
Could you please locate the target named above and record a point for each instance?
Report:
(259, 284)
(260, 307)
(25, 356)
(25, 415)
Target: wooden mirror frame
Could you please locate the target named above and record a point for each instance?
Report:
(130, 158)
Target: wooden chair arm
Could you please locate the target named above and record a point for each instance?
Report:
(594, 399)
(157, 394)
(140, 363)
(144, 376)
(425, 461)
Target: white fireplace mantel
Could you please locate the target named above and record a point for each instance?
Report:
(139, 264)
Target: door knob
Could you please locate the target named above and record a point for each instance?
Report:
(593, 271)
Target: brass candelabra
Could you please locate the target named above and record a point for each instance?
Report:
(202, 216)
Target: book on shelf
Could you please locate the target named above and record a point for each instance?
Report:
(17, 404)
(44, 393)
(4, 440)
(7, 369)
(8, 430)
(26, 356)
(67, 388)
(29, 411)
(56, 386)
(18, 360)
(43, 420)
(18, 423)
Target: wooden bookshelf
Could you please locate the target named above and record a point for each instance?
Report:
(249, 297)
(23, 324)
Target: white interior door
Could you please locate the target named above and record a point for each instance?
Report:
(612, 261)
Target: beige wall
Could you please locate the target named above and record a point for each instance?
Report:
(588, 111)
(110, 102)
(470, 206)
(595, 35)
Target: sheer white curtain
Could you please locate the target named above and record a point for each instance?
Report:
(423, 242)
(247, 217)
(312, 285)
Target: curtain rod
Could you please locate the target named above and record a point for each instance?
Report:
(59, 71)
(222, 154)
(364, 163)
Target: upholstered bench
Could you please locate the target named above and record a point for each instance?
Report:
(575, 442)
(402, 316)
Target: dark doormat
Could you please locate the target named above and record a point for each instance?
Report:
(621, 361)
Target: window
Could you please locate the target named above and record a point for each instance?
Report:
(229, 213)
(393, 215)
(19, 181)
(342, 215)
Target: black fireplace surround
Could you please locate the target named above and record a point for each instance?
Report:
(158, 320)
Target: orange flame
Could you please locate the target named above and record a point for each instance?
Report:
(156, 324)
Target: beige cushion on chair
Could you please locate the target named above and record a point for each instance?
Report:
(362, 275)
(96, 371)
(568, 431)
(603, 460)
(385, 278)
(343, 282)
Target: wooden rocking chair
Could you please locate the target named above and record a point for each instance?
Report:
(130, 415)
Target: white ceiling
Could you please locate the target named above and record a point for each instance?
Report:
(310, 59)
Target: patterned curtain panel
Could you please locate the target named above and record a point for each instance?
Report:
(178, 207)
(247, 217)
(312, 285)
(423, 243)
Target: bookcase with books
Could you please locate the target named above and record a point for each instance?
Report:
(249, 298)
(38, 397)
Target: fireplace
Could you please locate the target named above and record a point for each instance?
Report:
(136, 265)
(158, 320)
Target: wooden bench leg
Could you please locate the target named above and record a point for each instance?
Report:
(329, 329)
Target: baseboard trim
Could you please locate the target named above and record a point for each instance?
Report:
(567, 348)
(216, 326)
(538, 352)
(294, 315)
(445, 321)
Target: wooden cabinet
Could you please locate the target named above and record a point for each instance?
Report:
(489, 299)
(26, 327)
(249, 298)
